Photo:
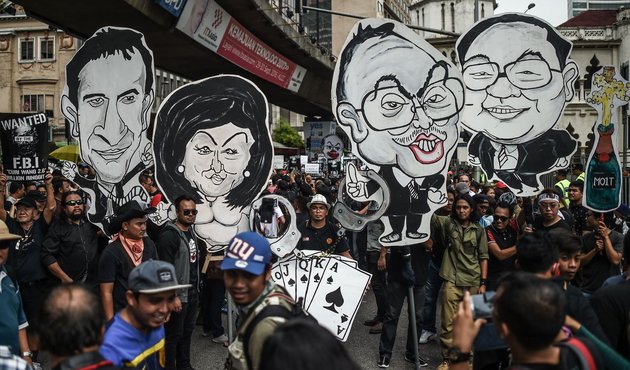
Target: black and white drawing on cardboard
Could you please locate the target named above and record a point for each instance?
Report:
(212, 142)
(107, 101)
(518, 78)
(398, 99)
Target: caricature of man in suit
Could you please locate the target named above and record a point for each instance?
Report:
(402, 118)
(518, 78)
(107, 100)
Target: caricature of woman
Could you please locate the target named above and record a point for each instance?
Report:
(212, 142)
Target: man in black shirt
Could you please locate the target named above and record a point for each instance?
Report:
(576, 208)
(24, 262)
(129, 249)
(612, 305)
(70, 250)
(549, 206)
(602, 252)
(319, 233)
(178, 245)
(502, 235)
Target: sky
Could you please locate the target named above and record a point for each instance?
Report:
(553, 11)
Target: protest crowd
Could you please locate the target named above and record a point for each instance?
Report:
(125, 257)
(557, 269)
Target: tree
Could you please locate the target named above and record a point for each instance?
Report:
(287, 135)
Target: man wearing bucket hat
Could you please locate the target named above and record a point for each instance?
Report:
(128, 250)
(12, 321)
(262, 305)
(319, 233)
(135, 337)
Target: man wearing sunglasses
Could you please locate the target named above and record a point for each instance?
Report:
(502, 235)
(398, 99)
(70, 250)
(518, 78)
(178, 245)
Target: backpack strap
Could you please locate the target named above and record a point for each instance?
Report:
(577, 347)
(269, 311)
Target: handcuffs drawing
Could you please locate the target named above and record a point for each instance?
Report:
(286, 242)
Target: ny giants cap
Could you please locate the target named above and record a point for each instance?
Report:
(247, 251)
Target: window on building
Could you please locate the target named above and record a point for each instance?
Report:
(453, 17)
(483, 11)
(46, 48)
(27, 49)
(443, 18)
(39, 103)
(422, 17)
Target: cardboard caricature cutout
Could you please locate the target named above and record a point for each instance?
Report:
(107, 99)
(398, 99)
(602, 190)
(212, 142)
(332, 147)
(518, 79)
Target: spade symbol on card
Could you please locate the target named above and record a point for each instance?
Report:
(317, 278)
(330, 280)
(291, 282)
(344, 318)
(335, 298)
(304, 279)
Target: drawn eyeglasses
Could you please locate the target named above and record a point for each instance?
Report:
(524, 74)
(387, 108)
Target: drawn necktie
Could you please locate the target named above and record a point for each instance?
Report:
(502, 156)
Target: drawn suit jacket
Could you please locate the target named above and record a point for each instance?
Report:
(534, 157)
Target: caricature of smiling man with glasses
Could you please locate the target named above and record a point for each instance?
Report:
(518, 78)
(399, 100)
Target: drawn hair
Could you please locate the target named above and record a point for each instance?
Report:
(561, 46)
(106, 42)
(362, 35)
(210, 103)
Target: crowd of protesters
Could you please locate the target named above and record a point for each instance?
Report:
(556, 267)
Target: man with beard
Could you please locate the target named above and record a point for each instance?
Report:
(178, 245)
(70, 250)
(402, 120)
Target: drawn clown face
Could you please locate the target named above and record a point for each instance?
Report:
(515, 91)
(332, 147)
(216, 159)
(408, 109)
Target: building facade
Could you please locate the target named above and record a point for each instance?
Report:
(576, 7)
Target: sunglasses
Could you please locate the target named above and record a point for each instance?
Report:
(500, 218)
(74, 202)
(188, 212)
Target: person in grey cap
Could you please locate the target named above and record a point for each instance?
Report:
(129, 248)
(135, 337)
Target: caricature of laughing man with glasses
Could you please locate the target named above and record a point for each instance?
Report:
(518, 78)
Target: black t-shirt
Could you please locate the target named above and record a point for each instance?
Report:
(579, 217)
(569, 360)
(24, 262)
(599, 268)
(193, 249)
(115, 265)
(504, 239)
(324, 239)
(419, 264)
(612, 305)
(561, 224)
(579, 308)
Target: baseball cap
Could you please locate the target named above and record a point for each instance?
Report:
(26, 201)
(501, 185)
(318, 199)
(154, 276)
(247, 251)
(462, 188)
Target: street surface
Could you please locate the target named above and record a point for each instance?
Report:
(362, 346)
